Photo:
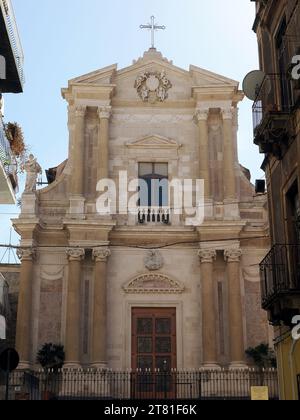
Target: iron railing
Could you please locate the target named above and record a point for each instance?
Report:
(280, 272)
(13, 34)
(154, 215)
(274, 99)
(108, 385)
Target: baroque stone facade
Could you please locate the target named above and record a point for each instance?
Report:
(87, 273)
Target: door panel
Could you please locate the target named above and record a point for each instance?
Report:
(154, 354)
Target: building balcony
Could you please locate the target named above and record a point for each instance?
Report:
(154, 216)
(11, 53)
(272, 112)
(280, 283)
(8, 175)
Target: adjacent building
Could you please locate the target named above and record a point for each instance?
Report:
(276, 113)
(11, 81)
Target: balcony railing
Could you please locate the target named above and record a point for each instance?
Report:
(280, 273)
(154, 215)
(13, 34)
(274, 99)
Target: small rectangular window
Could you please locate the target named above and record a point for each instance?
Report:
(154, 188)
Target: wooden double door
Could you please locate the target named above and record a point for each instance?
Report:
(154, 353)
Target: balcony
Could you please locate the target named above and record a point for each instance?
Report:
(8, 176)
(11, 50)
(154, 216)
(272, 112)
(280, 283)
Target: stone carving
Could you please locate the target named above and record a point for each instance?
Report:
(201, 115)
(75, 254)
(26, 254)
(153, 86)
(207, 255)
(80, 111)
(104, 112)
(227, 113)
(101, 254)
(233, 255)
(154, 260)
(32, 169)
(153, 283)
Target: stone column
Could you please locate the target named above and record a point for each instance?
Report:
(72, 339)
(209, 338)
(103, 143)
(24, 316)
(99, 332)
(236, 330)
(230, 187)
(77, 175)
(201, 118)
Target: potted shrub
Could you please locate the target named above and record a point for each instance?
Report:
(51, 357)
(263, 357)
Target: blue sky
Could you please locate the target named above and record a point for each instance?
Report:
(66, 38)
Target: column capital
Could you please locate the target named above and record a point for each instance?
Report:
(227, 113)
(201, 114)
(101, 254)
(75, 254)
(26, 254)
(104, 112)
(207, 255)
(233, 255)
(80, 111)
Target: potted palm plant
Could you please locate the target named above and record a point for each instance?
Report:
(51, 357)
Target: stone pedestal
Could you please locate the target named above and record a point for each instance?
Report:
(29, 206)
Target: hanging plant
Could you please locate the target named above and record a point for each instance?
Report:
(15, 137)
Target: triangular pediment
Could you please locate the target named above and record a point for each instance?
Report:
(207, 78)
(151, 60)
(103, 76)
(154, 141)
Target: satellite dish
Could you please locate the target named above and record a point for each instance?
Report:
(252, 83)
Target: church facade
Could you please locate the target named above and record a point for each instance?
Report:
(145, 290)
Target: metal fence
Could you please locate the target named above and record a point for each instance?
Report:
(108, 385)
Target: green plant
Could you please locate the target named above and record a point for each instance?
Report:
(263, 356)
(51, 357)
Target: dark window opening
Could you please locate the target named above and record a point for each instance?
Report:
(153, 185)
(285, 87)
